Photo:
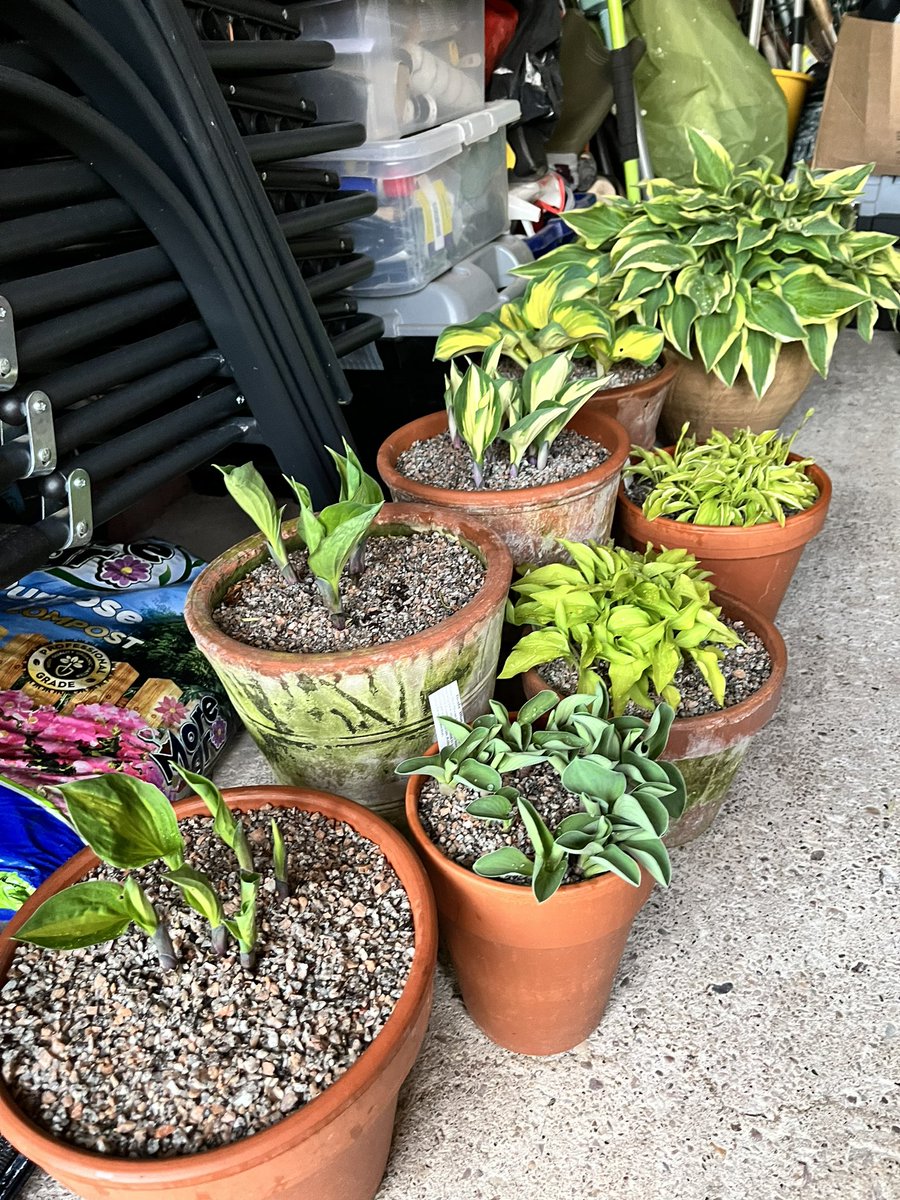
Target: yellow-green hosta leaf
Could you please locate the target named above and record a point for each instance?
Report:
(847, 182)
(759, 357)
(640, 343)
(543, 380)
(704, 289)
(752, 234)
(715, 332)
(598, 225)
(654, 254)
(85, 914)
(127, 822)
(729, 362)
(817, 298)
(866, 316)
(637, 283)
(862, 243)
(249, 490)
(768, 313)
(571, 255)
(535, 649)
(713, 167)
(820, 343)
(676, 320)
(477, 335)
(582, 319)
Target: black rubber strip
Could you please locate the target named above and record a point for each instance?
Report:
(44, 185)
(349, 207)
(344, 275)
(55, 291)
(297, 143)
(37, 233)
(267, 58)
(365, 329)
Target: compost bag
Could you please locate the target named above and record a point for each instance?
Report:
(98, 673)
(699, 70)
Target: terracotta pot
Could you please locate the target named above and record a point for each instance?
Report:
(336, 1146)
(528, 519)
(707, 403)
(534, 977)
(343, 721)
(708, 750)
(754, 563)
(637, 406)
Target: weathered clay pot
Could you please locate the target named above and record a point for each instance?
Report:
(707, 403)
(343, 721)
(637, 405)
(708, 750)
(755, 564)
(336, 1146)
(530, 520)
(534, 977)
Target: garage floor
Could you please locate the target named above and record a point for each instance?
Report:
(752, 1044)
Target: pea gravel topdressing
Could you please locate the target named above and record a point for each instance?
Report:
(438, 462)
(408, 584)
(109, 1053)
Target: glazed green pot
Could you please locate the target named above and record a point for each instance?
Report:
(708, 750)
(341, 722)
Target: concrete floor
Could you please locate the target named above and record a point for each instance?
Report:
(752, 1044)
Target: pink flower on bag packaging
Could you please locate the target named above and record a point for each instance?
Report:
(171, 712)
(14, 704)
(125, 570)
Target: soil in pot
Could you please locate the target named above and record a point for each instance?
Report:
(106, 1051)
(408, 584)
(438, 462)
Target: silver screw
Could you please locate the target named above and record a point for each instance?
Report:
(5, 366)
(2, 313)
(239, 400)
(81, 529)
(78, 481)
(39, 406)
(44, 455)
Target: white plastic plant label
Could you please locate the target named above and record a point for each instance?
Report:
(446, 702)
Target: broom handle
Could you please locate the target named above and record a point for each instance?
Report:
(626, 107)
(798, 35)
(756, 22)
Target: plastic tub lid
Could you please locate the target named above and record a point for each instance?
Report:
(432, 146)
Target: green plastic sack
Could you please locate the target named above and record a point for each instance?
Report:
(699, 70)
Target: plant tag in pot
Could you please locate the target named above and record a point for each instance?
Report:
(446, 702)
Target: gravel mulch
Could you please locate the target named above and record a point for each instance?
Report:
(463, 839)
(107, 1052)
(408, 584)
(746, 668)
(438, 462)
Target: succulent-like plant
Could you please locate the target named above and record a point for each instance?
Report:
(564, 308)
(528, 414)
(742, 480)
(638, 616)
(741, 263)
(129, 824)
(334, 538)
(627, 796)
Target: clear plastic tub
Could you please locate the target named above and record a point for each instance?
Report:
(401, 66)
(442, 194)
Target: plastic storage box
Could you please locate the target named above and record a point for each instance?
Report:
(401, 66)
(441, 195)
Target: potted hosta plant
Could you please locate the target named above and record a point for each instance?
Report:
(542, 842)
(565, 307)
(749, 277)
(523, 455)
(329, 633)
(745, 506)
(649, 626)
(224, 999)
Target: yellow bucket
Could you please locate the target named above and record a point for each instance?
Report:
(794, 85)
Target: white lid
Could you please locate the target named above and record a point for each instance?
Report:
(419, 151)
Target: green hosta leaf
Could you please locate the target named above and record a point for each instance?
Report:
(415, 766)
(645, 812)
(199, 893)
(653, 856)
(346, 524)
(640, 343)
(729, 362)
(569, 255)
(677, 320)
(138, 907)
(540, 836)
(706, 291)
(759, 357)
(543, 380)
(126, 822)
(537, 706)
(479, 775)
(712, 167)
(863, 243)
(752, 234)
(716, 332)
(767, 312)
(491, 808)
(242, 925)
(653, 254)
(248, 489)
(356, 485)
(308, 525)
(656, 736)
(535, 649)
(866, 316)
(637, 283)
(820, 343)
(598, 225)
(507, 861)
(847, 183)
(589, 777)
(611, 858)
(85, 914)
(547, 878)
(817, 298)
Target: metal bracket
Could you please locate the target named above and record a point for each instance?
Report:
(81, 513)
(41, 434)
(9, 358)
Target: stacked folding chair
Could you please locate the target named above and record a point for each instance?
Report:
(170, 279)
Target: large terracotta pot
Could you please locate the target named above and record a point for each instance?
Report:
(755, 563)
(530, 520)
(702, 399)
(343, 721)
(534, 977)
(708, 750)
(336, 1146)
(637, 406)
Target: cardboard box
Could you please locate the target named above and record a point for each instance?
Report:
(861, 115)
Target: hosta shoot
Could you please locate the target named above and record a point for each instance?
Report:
(624, 616)
(626, 796)
(741, 480)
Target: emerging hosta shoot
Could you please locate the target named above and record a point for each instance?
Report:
(280, 862)
(528, 414)
(627, 797)
(636, 616)
(744, 479)
(739, 263)
(130, 824)
(334, 538)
